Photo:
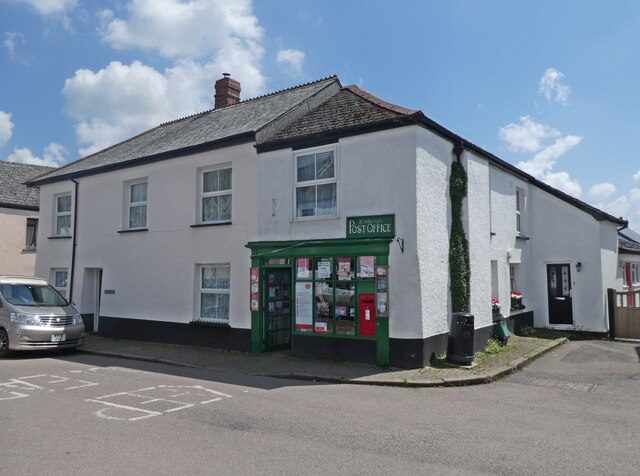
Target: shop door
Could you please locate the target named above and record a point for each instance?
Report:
(559, 292)
(277, 308)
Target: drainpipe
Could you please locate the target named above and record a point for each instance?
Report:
(75, 243)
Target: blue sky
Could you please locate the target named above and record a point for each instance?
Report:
(550, 86)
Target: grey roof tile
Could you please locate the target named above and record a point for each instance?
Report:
(245, 117)
(351, 107)
(13, 192)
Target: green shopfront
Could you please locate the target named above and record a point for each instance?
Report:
(325, 298)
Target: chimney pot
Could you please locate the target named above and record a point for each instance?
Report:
(227, 92)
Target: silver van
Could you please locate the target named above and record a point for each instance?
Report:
(33, 315)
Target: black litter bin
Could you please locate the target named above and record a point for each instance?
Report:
(460, 346)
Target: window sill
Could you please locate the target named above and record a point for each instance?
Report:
(30, 249)
(133, 230)
(210, 324)
(59, 237)
(522, 237)
(202, 225)
(314, 218)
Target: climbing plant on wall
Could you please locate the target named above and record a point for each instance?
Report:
(458, 246)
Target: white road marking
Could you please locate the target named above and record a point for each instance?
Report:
(86, 384)
(14, 395)
(100, 413)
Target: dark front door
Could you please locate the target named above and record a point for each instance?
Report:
(277, 308)
(559, 291)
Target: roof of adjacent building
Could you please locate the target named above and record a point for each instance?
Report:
(628, 247)
(202, 131)
(13, 192)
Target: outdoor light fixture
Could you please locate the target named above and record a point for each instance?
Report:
(578, 266)
(400, 242)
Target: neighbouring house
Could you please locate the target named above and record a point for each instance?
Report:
(19, 207)
(317, 218)
(629, 261)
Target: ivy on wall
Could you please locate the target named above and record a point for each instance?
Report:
(459, 269)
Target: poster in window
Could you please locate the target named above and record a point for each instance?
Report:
(255, 295)
(382, 300)
(365, 268)
(323, 268)
(304, 307)
(344, 268)
(321, 327)
(303, 268)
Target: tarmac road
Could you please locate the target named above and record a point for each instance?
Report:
(575, 410)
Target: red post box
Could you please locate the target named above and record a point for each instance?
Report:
(367, 314)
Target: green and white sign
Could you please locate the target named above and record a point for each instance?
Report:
(375, 226)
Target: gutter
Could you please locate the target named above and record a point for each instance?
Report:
(75, 243)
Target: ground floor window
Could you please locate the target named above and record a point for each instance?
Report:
(326, 290)
(60, 278)
(214, 287)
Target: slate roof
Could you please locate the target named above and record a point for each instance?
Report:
(240, 121)
(627, 246)
(13, 192)
(350, 108)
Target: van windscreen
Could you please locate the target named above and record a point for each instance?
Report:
(32, 295)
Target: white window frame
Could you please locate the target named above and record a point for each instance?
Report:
(54, 281)
(218, 193)
(218, 290)
(635, 279)
(512, 277)
(129, 204)
(315, 183)
(58, 214)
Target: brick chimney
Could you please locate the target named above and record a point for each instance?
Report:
(227, 92)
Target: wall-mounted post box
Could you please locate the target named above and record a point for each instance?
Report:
(367, 305)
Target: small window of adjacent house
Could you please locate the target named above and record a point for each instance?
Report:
(519, 211)
(316, 185)
(32, 233)
(63, 215)
(214, 284)
(512, 277)
(137, 204)
(215, 200)
(60, 277)
(635, 281)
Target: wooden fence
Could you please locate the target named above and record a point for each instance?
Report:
(624, 314)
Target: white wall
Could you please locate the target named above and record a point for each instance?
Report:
(153, 273)
(433, 218)
(561, 233)
(14, 259)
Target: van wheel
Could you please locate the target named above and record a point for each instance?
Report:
(4, 343)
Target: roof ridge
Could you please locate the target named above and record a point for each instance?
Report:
(22, 164)
(366, 95)
(280, 91)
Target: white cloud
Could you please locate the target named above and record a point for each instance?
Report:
(12, 40)
(291, 59)
(527, 136)
(176, 28)
(544, 160)
(562, 181)
(636, 178)
(50, 7)
(552, 88)
(54, 155)
(6, 128)
(204, 37)
(601, 191)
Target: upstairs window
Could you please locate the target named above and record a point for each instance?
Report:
(62, 224)
(316, 185)
(519, 197)
(32, 233)
(137, 204)
(215, 196)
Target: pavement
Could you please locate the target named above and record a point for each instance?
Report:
(521, 350)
